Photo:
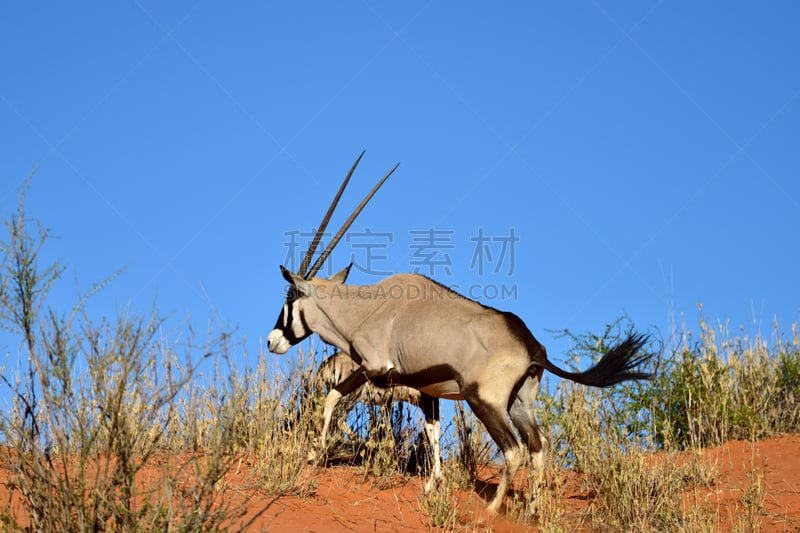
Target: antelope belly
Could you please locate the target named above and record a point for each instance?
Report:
(449, 390)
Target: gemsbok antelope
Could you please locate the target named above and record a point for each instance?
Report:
(410, 330)
(340, 366)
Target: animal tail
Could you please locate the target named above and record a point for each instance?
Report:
(618, 364)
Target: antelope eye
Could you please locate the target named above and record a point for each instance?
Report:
(293, 295)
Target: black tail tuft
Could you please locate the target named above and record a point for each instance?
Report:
(617, 365)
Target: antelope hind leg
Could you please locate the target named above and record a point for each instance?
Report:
(493, 416)
(522, 415)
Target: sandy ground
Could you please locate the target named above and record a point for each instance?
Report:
(345, 499)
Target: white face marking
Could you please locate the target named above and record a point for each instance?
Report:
(298, 329)
(285, 314)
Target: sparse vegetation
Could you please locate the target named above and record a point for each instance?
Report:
(721, 387)
(98, 407)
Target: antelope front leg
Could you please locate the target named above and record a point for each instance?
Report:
(331, 400)
(354, 381)
(430, 407)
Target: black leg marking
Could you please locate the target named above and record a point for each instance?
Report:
(496, 424)
(430, 407)
(352, 382)
(494, 418)
(521, 412)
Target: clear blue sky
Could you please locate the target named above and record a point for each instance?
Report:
(645, 154)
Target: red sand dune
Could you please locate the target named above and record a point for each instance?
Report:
(345, 499)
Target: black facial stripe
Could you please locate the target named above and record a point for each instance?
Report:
(288, 310)
(306, 327)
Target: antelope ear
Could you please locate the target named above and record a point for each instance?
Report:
(303, 286)
(341, 276)
(289, 276)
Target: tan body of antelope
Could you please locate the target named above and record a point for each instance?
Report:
(412, 331)
(340, 366)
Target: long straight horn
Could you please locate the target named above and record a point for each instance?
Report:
(324, 255)
(325, 220)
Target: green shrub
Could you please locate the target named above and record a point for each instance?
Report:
(722, 387)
